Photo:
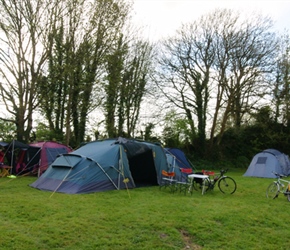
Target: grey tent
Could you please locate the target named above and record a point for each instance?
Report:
(268, 161)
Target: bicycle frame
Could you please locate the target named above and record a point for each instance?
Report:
(213, 181)
(226, 184)
(281, 187)
(278, 186)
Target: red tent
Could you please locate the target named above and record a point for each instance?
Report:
(47, 153)
(2, 156)
(33, 158)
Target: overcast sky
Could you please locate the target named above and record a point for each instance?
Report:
(162, 17)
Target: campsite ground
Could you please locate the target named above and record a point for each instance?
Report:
(143, 218)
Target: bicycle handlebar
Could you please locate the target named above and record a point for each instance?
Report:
(223, 171)
(279, 175)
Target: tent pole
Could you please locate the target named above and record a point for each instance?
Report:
(125, 180)
(190, 163)
(12, 156)
(60, 183)
(29, 163)
(174, 162)
(105, 173)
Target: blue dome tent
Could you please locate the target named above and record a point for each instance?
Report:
(105, 165)
(268, 161)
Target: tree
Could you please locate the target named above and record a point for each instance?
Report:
(115, 67)
(176, 132)
(135, 83)
(281, 92)
(219, 60)
(26, 27)
(7, 129)
(245, 52)
(184, 73)
(128, 70)
(86, 35)
(52, 89)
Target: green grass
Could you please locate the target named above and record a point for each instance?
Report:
(143, 218)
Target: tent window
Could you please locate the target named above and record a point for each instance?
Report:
(261, 160)
(52, 153)
(67, 161)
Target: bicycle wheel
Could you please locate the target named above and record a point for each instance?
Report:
(287, 193)
(272, 190)
(288, 197)
(227, 185)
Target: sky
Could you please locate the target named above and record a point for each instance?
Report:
(160, 18)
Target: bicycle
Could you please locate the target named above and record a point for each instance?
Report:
(277, 187)
(226, 184)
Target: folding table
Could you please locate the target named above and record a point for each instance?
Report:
(200, 176)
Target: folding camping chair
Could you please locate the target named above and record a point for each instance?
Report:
(168, 180)
(4, 170)
(184, 182)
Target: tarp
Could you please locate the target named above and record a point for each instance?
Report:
(268, 161)
(105, 165)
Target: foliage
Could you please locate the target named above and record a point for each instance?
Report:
(215, 72)
(43, 133)
(147, 135)
(247, 141)
(216, 66)
(25, 29)
(240, 144)
(7, 131)
(281, 91)
(150, 219)
(72, 88)
(177, 131)
(128, 70)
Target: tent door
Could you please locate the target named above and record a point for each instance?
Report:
(143, 170)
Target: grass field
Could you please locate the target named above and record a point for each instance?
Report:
(143, 218)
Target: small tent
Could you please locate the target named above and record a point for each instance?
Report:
(17, 153)
(46, 154)
(105, 165)
(177, 158)
(268, 161)
(32, 158)
(2, 151)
